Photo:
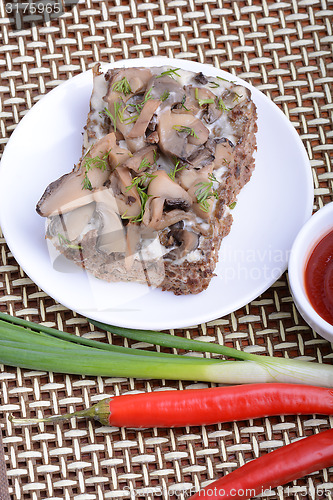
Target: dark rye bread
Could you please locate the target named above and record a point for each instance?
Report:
(184, 275)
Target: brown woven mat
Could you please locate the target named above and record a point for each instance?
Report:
(285, 49)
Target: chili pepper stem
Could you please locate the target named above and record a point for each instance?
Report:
(99, 412)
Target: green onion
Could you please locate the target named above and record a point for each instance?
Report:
(266, 368)
(29, 345)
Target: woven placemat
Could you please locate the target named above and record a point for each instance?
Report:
(284, 48)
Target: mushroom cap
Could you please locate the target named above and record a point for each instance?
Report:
(141, 124)
(63, 195)
(68, 192)
(148, 153)
(175, 142)
(163, 187)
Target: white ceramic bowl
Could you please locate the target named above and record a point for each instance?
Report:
(312, 232)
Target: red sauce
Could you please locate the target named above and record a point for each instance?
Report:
(319, 278)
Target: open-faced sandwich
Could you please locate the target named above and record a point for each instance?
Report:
(165, 154)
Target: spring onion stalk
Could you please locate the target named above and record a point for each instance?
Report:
(47, 335)
(33, 346)
(278, 369)
(113, 364)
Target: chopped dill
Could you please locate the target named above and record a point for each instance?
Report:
(237, 97)
(206, 191)
(144, 164)
(138, 107)
(186, 130)
(183, 103)
(143, 199)
(113, 118)
(177, 168)
(221, 105)
(88, 163)
(140, 183)
(170, 72)
(122, 86)
(202, 102)
(164, 96)
(225, 80)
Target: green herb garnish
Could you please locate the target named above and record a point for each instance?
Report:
(213, 85)
(177, 168)
(186, 130)
(144, 164)
(88, 163)
(183, 103)
(221, 105)
(122, 86)
(224, 79)
(138, 107)
(169, 72)
(206, 191)
(113, 118)
(140, 183)
(202, 102)
(237, 97)
(232, 205)
(164, 96)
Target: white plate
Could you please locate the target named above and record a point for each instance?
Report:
(270, 211)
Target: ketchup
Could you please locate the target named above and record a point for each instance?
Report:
(319, 278)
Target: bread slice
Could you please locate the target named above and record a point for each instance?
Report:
(165, 154)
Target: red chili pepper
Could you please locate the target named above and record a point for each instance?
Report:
(274, 469)
(219, 404)
(207, 406)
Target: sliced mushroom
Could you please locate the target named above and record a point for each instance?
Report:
(180, 134)
(236, 96)
(75, 221)
(201, 157)
(137, 78)
(224, 154)
(98, 176)
(166, 89)
(69, 226)
(161, 220)
(187, 177)
(189, 242)
(118, 156)
(164, 187)
(200, 78)
(63, 195)
(203, 211)
(160, 189)
(69, 192)
(106, 196)
(124, 123)
(142, 159)
(112, 238)
(141, 124)
(128, 199)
